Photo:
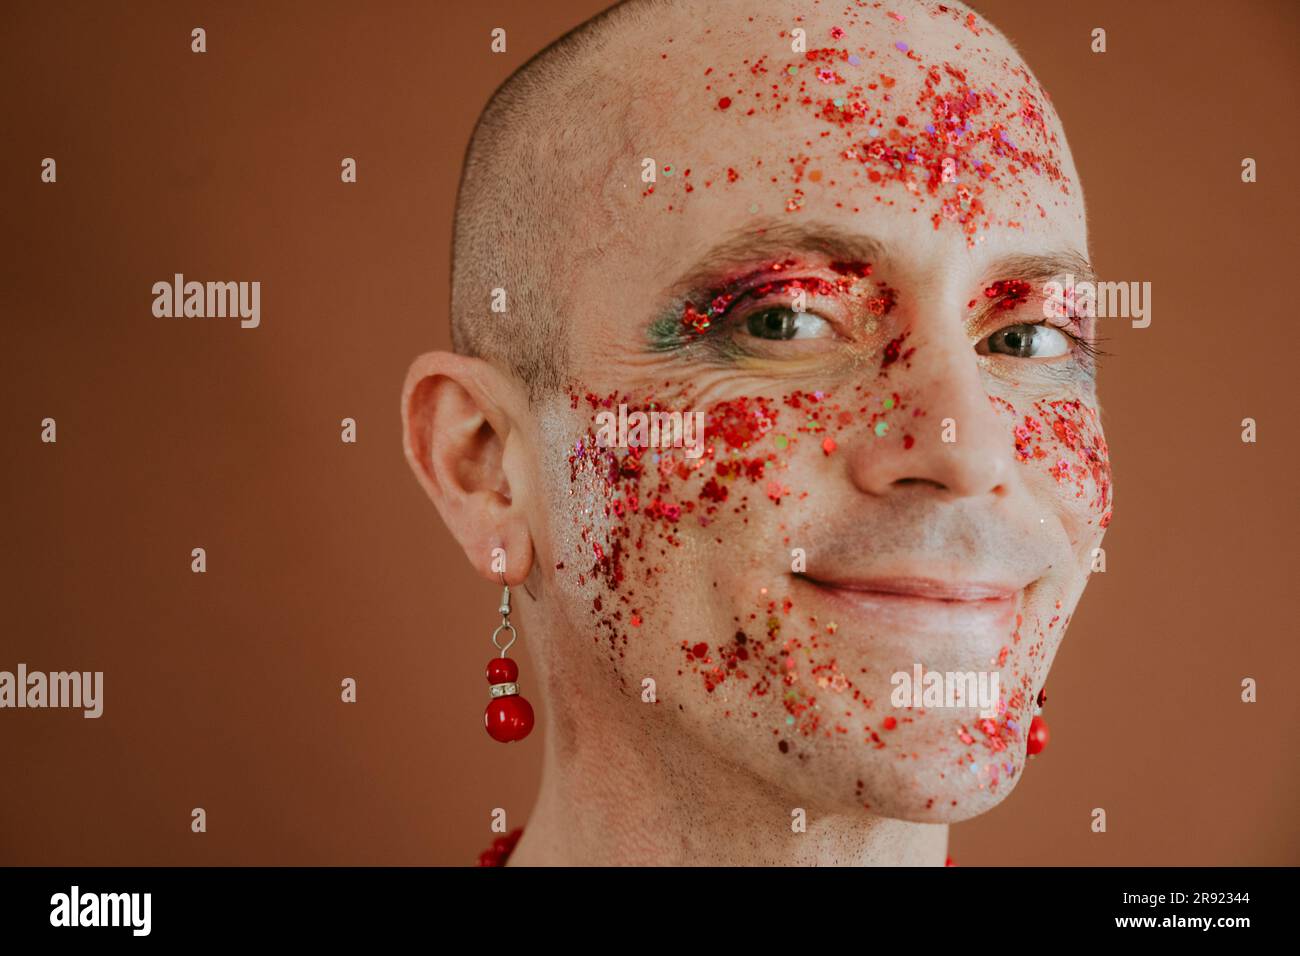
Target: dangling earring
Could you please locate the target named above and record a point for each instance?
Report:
(1038, 734)
(508, 716)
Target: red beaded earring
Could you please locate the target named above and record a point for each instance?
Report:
(1038, 734)
(508, 717)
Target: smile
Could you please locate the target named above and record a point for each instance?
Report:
(924, 604)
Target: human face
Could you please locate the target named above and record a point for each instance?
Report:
(840, 264)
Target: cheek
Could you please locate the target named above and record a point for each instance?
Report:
(650, 520)
(1061, 442)
(643, 511)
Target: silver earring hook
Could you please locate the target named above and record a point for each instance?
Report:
(503, 626)
(505, 619)
(523, 584)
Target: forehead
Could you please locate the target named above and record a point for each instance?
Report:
(922, 129)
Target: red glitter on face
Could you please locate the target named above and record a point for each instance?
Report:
(894, 351)
(1009, 293)
(1073, 447)
(879, 301)
(959, 138)
(646, 504)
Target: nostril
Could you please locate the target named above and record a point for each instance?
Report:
(910, 482)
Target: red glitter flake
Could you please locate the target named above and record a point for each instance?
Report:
(894, 352)
(724, 102)
(694, 320)
(1009, 293)
(713, 491)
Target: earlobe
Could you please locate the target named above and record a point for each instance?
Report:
(456, 428)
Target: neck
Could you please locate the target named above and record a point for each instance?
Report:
(614, 794)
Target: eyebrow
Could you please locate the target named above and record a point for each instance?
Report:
(767, 240)
(1042, 267)
(771, 239)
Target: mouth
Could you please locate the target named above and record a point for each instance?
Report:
(905, 603)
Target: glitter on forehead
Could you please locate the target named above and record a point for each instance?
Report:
(937, 151)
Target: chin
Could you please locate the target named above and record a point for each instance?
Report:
(918, 793)
(923, 775)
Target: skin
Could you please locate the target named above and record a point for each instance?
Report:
(959, 555)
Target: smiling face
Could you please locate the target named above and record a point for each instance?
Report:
(840, 263)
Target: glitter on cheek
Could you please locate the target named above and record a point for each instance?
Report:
(774, 666)
(1066, 436)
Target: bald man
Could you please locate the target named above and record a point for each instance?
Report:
(758, 390)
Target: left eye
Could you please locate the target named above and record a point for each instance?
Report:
(1027, 341)
(780, 324)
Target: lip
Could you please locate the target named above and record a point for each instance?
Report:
(928, 589)
(923, 604)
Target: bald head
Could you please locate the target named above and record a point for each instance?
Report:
(518, 208)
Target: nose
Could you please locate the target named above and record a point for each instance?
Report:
(960, 445)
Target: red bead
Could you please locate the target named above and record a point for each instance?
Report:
(1038, 736)
(502, 670)
(508, 718)
(501, 848)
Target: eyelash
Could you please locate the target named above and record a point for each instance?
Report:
(667, 332)
(1077, 342)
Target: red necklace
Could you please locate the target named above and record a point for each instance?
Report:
(500, 850)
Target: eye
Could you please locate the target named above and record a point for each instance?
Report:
(780, 324)
(1026, 341)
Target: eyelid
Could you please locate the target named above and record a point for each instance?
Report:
(751, 299)
(1083, 348)
(734, 318)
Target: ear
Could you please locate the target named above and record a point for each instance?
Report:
(462, 421)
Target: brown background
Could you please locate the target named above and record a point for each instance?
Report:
(325, 560)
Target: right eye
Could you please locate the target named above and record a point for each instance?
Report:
(781, 324)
